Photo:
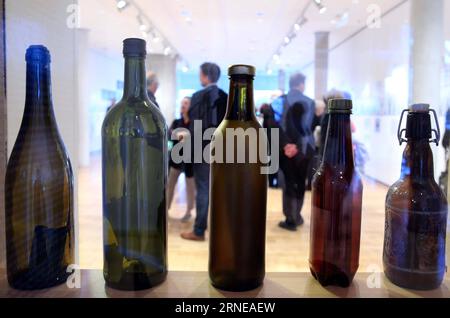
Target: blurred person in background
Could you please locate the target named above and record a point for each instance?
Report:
(175, 169)
(152, 87)
(267, 115)
(208, 106)
(319, 112)
(443, 178)
(332, 94)
(293, 114)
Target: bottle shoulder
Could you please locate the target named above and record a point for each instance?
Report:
(339, 180)
(337, 174)
(235, 124)
(418, 195)
(39, 161)
(139, 113)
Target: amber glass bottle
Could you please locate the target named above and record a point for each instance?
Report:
(416, 211)
(39, 189)
(238, 191)
(336, 204)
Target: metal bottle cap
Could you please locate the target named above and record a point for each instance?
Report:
(241, 69)
(134, 47)
(419, 108)
(340, 105)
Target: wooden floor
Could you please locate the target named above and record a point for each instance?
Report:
(286, 251)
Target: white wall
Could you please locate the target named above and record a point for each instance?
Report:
(374, 68)
(103, 71)
(42, 22)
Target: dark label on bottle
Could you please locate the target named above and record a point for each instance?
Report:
(415, 240)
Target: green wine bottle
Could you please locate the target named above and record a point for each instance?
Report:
(135, 165)
(38, 189)
(238, 191)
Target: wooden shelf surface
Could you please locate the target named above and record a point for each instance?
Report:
(196, 285)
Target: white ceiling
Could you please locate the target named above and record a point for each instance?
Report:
(227, 31)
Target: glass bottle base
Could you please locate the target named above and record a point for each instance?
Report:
(137, 281)
(333, 277)
(226, 284)
(28, 280)
(413, 280)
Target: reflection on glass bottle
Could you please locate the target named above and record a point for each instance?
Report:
(134, 145)
(238, 191)
(416, 211)
(336, 204)
(38, 189)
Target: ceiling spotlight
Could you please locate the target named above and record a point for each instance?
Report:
(276, 57)
(167, 50)
(155, 37)
(121, 4)
(287, 40)
(185, 68)
(320, 6)
(297, 27)
(269, 71)
(142, 25)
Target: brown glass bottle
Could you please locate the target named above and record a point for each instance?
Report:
(238, 192)
(336, 204)
(416, 212)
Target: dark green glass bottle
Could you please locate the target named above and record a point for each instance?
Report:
(134, 152)
(39, 189)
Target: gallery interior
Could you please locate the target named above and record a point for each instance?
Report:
(383, 55)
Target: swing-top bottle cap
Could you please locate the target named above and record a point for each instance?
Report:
(340, 105)
(419, 108)
(134, 47)
(38, 53)
(241, 69)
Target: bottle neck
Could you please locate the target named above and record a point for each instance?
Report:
(38, 89)
(135, 86)
(417, 160)
(338, 145)
(241, 102)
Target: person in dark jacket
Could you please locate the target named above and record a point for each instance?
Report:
(295, 113)
(208, 106)
(176, 169)
(152, 87)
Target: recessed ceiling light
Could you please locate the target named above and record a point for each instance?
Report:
(121, 4)
(142, 25)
